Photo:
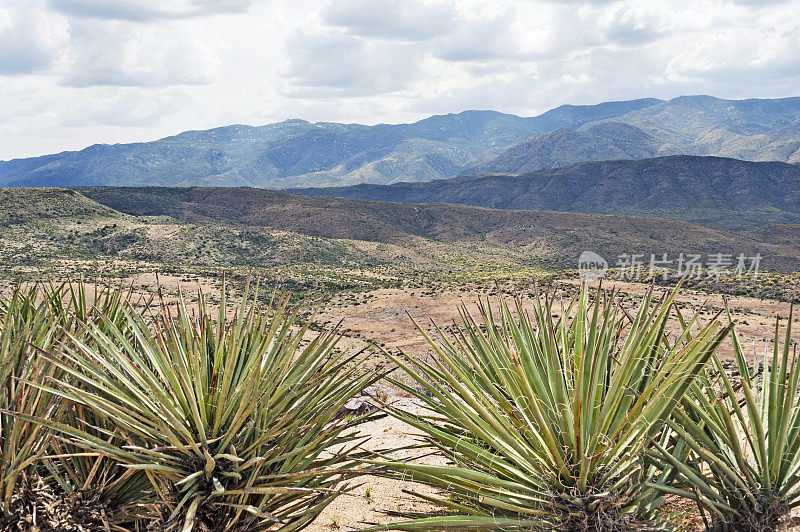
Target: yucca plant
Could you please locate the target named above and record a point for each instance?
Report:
(46, 483)
(27, 324)
(544, 420)
(737, 446)
(94, 491)
(233, 421)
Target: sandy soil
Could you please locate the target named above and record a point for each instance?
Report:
(385, 495)
(384, 316)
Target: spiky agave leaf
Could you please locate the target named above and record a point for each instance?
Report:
(739, 455)
(544, 420)
(27, 324)
(40, 476)
(232, 421)
(120, 494)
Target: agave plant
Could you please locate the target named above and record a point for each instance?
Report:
(544, 420)
(232, 421)
(92, 491)
(26, 324)
(47, 483)
(737, 452)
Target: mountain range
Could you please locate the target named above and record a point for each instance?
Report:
(754, 130)
(296, 153)
(717, 191)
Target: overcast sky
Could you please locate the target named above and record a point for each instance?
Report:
(76, 72)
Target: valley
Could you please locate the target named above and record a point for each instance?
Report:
(370, 268)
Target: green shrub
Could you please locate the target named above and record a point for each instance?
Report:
(27, 325)
(48, 483)
(233, 422)
(544, 421)
(737, 451)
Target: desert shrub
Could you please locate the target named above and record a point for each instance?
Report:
(736, 449)
(544, 420)
(233, 421)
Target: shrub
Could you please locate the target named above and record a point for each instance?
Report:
(47, 484)
(737, 446)
(544, 420)
(26, 326)
(232, 421)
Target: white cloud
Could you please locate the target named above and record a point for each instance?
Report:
(331, 64)
(640, 23)
(31, 38)
(405, 20)
(74, 72)
(764, 50)
(480, 39)
(130, 108)
(148, 10)
(125, 54)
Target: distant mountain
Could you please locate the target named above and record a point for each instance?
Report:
(284, 154)
(711, 190)
(299, 153)
(562, 147)
(755, 130)
(576, 116)
(703, 125)
(296, 153)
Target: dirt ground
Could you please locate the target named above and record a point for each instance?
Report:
(374, 496)
(384, 316)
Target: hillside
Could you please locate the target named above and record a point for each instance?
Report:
(754, 130)
(48, 226)
(43, 207)
(296, 153)
(722, 192)
(123, 229)
(529, 235)
(563, 147)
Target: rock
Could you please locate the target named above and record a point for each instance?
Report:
(356, 407)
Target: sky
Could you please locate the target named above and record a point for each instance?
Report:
(78, 72)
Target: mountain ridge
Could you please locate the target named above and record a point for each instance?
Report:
(297, 153)
(716, 191)
(542, 234)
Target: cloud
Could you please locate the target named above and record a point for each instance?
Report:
(149, 10)
(31, 38)
(583, 2)
(639, 23)
(121, 54)
(75, 118)
(480, 39)
(761, 3)
(130, 107)
(763, 52)
(404, 20)
(74, 72)
(321, 65)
